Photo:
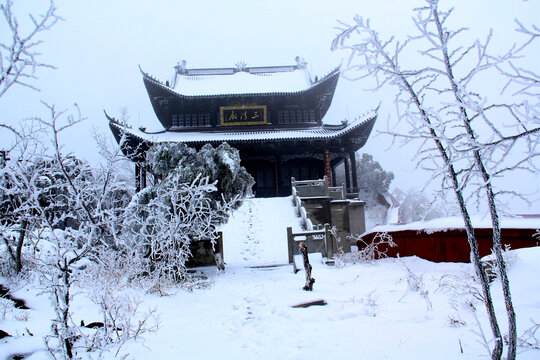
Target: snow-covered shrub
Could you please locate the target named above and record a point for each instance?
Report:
(464, 293)
(57, 192)
(195, 195)
(107, 281)
(375, 249)
(371, 302)
(416, 284)
(367, 252)
(165, 219)
(122, 322)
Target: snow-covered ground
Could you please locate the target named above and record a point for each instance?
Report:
(405, 308)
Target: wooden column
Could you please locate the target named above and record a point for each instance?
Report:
(347, 173)
(327, 166)
(138, 177)
(277, 167)
(143, 176)
(352, 156)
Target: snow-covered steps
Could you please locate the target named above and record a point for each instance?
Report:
(256, 233)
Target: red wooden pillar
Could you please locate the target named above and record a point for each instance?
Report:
(327, 166)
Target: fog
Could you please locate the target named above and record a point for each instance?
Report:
(98, 47)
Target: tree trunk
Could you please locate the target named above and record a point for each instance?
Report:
(484, 282)
(501, 265)
(63, 304)
(471, 238)
(20, 242)
(309, 280)
(479, 163)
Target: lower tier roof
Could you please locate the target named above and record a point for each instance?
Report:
(355, 134)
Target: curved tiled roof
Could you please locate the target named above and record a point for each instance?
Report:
(197, 137)
(243, 83)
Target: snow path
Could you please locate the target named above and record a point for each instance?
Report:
(256, 233)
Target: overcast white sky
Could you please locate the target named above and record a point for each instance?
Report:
(100, 44)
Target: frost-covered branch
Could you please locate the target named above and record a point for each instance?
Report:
(19, 55)
(166, 219)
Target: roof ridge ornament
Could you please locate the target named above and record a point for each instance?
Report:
(181, 67)
(241, 66)
(300, 62)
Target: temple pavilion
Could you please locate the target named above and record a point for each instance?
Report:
(274, 116)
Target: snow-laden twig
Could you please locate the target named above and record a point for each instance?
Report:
(19, 56)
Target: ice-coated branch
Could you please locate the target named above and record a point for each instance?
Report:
(19, 57)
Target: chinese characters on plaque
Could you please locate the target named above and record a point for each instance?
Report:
(243, 115)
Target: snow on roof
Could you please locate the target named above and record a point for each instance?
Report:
(456, 222)
(319, 132)
(242, 82)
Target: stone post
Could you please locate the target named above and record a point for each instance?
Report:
(357, 220)
(290, 244)
(339, 210)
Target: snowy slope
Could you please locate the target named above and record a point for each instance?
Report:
(256, 234)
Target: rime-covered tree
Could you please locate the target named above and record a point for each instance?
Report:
(79, 208)
(34, 193)
(19, 62)
(466, 139)
(45, 190)
(89, 196)
(166, 218)
(372, 179)
(221, 164)
(19, 52)
(414, 205)
(195, 195)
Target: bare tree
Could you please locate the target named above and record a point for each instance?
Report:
(444, 109)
